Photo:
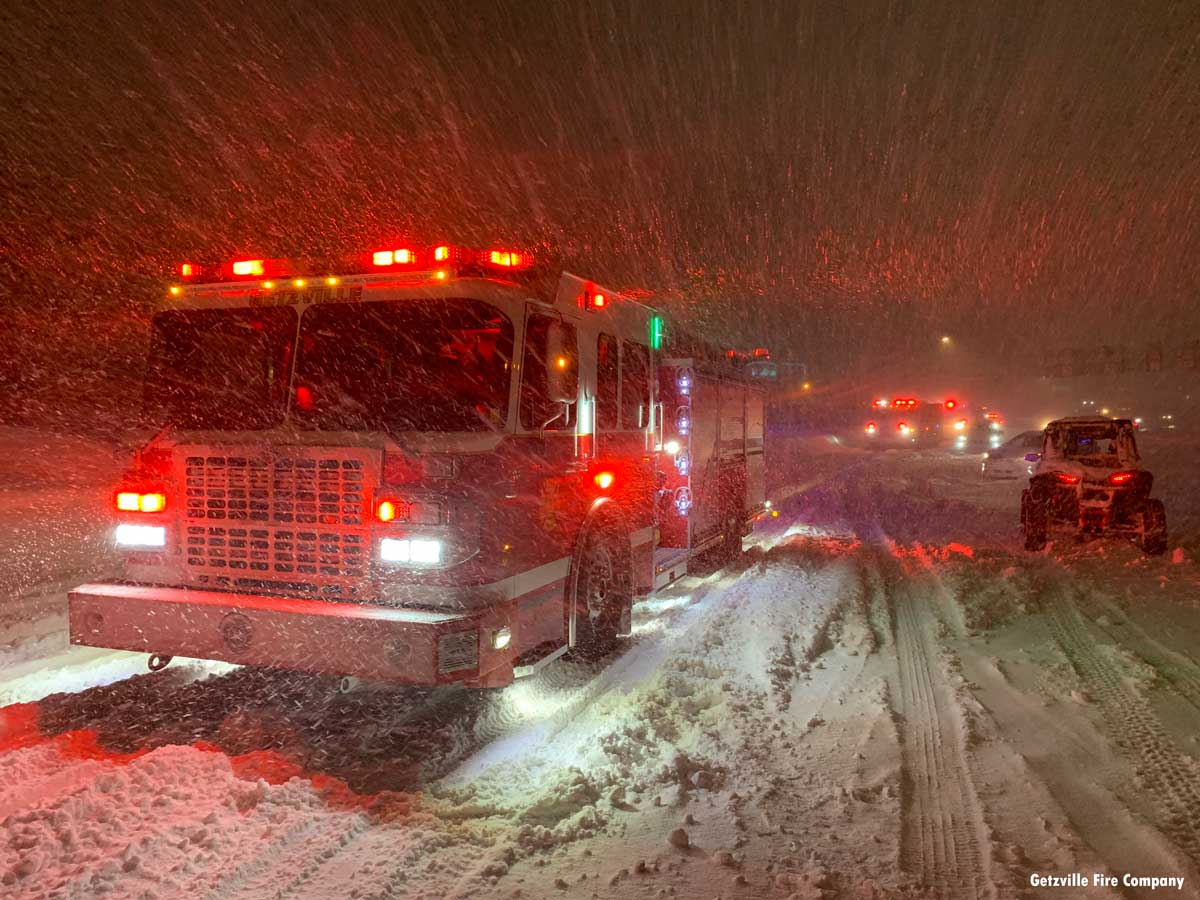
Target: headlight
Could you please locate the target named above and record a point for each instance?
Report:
(141, 535)
(419, 551)
(501, 638)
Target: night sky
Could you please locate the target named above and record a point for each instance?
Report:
(844, 178)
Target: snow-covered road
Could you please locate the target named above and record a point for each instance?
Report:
(886, 698)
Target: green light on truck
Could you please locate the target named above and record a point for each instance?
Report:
(656, 332)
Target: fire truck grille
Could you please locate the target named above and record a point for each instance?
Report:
(280, 520)
(277, 491)
(243, 551)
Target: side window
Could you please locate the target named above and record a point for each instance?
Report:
(635, 385)
(536, 406)
(607, 379)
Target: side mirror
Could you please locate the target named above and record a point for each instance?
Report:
(1032, 457)
(562, 364)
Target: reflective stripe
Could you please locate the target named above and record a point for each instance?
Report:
(543, 575)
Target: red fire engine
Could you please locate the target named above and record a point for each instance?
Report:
(435, 466)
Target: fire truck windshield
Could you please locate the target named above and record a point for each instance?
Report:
(220, 369)
(408, 365)
(392, 366)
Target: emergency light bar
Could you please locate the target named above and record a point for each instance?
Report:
(466, 262)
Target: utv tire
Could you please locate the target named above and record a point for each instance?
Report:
(1154, 528)
(600, 593)
(1035, 521)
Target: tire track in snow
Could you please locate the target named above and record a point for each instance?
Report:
(290, 860)
(1180, 673)
(942, 833)
(1167, 776)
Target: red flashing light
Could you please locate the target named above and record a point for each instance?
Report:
(304, 397)
(1121, 477)
(880, 404)
(188, 270)
(402, 257)
(1064, 478)
(604, 480)
(762, 353)
(133, 501)
(950, 404)
(508, 259)
(592, 299)
(249, 267)
(442, 253)
(993, 417)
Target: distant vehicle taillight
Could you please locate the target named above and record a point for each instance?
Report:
(1121, 477)
(871, 428)
(1064, 478)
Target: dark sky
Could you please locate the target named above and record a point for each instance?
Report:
(837, 176)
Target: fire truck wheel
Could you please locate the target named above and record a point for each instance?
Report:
(601, 591)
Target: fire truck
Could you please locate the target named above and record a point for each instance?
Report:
(417, 466)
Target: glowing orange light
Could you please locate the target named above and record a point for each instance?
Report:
(187, 270)
(1064, 478)
(506, 258)
(403, 257)
(174, 291)
(299, 282)
(132, 501)
(604, 480)
(440, 276)
(248, 267)
(383, 257)
(386, 511)
(599, 300)
(561, 362)
(331, 281)
(950, 404)
(441, 253)
(268, 284)
(1120, 477)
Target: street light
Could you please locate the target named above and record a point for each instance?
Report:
(945, 338)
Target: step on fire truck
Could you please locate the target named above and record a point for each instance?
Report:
(430, 467)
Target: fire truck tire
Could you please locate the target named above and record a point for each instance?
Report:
(603, 588)
(1154, 528)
